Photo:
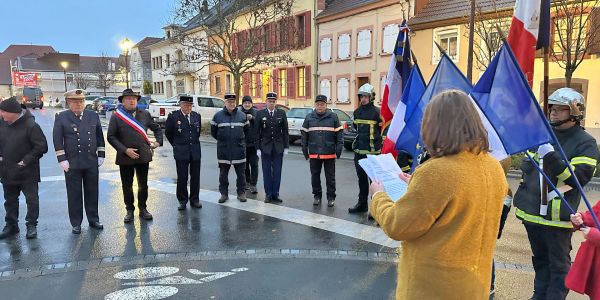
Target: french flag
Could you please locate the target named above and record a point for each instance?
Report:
(529, 30)
(393, 108)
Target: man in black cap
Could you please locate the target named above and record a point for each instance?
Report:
(183, 132)
(22, 144)
(127, 134)
(273, 142)
(79, 145)
(322, 142)
(230, 127)
(251, 155)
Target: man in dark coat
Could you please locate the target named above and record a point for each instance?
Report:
(127, 134)
(22, 144)
(230, 127)
(273, 142)
(182, 129)
(251, 148)
(79, 145)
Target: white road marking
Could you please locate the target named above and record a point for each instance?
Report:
(143, 293)
(145, 273)
(168, 280)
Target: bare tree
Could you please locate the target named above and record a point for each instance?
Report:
(82, 80)
(576, 30)
(239, 35)
(106, 69)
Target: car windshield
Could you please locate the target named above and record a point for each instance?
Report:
(300, 113)
(342, 115)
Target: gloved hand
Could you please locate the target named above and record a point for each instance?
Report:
(64, 165)
(286, 151)
(258, 153)
(545, 149)
(100, 161)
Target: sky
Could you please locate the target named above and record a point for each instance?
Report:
(86, 27)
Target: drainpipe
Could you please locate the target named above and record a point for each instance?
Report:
(316, 49)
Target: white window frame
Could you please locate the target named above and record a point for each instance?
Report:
(364, 44)
(325, 54)
(325, 88)
(340, 49)
(438, 33)
(392, 38)
(342, 95)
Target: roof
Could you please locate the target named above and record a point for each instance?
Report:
(51, 62)
(143, 47)
(213, 14)
(12, 52)
(440, 10)
(333, 7)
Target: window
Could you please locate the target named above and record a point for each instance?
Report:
(228, 81)
(326, 88)
(363, 43)
(253, 85)
(180, 86)
(301, 26)
(205, 102)
(217, 84)
(158, 87)
(448, 40)
(282, 83)
(168, 60)
(301, 82)
(342, 90)
(561, 42)
(382, 83)
(344, 46)
(390, 35)
(325, 49)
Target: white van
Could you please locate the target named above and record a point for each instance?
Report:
(205, 105)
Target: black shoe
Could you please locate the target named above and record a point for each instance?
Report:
(253, 189)
(181, 206)
(145, 214)
(242, 197)
(317, 201)
(196, 204)
(371, 217)
(128, 217)
(8, 231)
(358, 208)
(330, 202)
(277, 199)
(267, 199)
(223, 198)
(76, 230)
(96, 225)
(31, 232)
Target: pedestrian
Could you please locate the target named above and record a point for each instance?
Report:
(230, 127)
(22, 144)
(367, 122)
(273, 142)
(448, 219)
(584, 275)
(505, 163)
(322, 142)
(79, 145)
(251, 152)
(550, 233)
(182, 129)
(127, 134)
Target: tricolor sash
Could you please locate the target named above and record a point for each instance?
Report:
(131, 121)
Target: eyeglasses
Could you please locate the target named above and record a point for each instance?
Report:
(559, 110)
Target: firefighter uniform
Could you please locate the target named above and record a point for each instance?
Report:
(322, 142)
(79, 140)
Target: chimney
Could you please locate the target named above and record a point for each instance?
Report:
(205, 6)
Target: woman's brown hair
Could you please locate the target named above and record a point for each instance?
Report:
(451, 124)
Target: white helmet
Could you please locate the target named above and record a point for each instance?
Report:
(570, 97)
(367, 90)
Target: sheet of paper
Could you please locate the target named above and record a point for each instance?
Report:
(383, 168)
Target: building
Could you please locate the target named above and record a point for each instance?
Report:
(140, 63)
(11, 53)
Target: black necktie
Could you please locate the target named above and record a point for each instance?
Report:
(271, 113)
(188, 118)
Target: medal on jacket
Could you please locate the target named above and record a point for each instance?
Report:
(179, 126)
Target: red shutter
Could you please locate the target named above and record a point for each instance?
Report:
(258, 85)
(291, 33)
(245, 84)
(594, 29)
(272, 29)
(307, 27)
(276, 81)
(291, 83)
(308, 79)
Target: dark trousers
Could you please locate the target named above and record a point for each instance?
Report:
(271, 164)
(551, 260)
(224, 179)
(315, 171)
(11, 202)
(82, 190)
(185, 167)
(363, 180)
(141, 172)
(251, 165)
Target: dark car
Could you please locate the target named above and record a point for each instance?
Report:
(143, 103)
(107, 104)
(31, 97)
(349, 134)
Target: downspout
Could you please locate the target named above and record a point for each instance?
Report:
(315, 74)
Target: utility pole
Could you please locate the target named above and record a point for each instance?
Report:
(471, 42)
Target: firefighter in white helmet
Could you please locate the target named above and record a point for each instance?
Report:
(550, 233)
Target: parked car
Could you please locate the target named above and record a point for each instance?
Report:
(108, 104)
(31, 97)
(349, 134)
(296, 116)
(88, 101)
(205, 105)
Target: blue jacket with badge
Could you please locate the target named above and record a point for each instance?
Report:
(184, 136)
(230, 130)
(80, 141)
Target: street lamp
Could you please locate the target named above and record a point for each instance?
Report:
(64, 65)
(125, 45)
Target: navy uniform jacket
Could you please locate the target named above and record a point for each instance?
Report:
(184, 136)
(272, 132)
(80, 142)
(230, 130)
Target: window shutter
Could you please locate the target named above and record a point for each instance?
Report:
(594, 27)
(291, 33)
(308, 78)
(291, 83)
(275, 88)
(245, 83)
(258, 84)
(307, 27)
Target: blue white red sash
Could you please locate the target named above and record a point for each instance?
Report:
(131, 121)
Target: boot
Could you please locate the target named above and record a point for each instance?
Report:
(181, 206)
(267, 199)
(317, 201)
(145, 214)
(128, 217)
(358, 208)
(253, 189)
(31, 232)
(242, 197)
(330, 202)
(223, 198)
(8, 231)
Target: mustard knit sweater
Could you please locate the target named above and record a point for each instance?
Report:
(448, 221)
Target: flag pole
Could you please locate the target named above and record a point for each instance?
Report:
(546, 78)
(471, 42)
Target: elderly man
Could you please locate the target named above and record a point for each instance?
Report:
(127, 134)
(22, 144)
(79, 144)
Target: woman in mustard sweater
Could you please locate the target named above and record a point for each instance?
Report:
(448, 219)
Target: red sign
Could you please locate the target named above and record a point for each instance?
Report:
(25, 78)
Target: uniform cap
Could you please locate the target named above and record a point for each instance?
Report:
(230, 96)
(321, 98)
(77, 94)
(271, 95)
(186, 98)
